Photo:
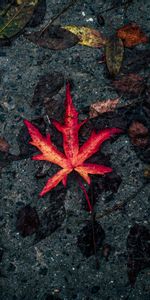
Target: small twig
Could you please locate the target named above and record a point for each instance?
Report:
(71, 3)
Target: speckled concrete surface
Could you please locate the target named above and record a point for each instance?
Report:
(54, 267)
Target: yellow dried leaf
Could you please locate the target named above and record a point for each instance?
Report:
(87, 36)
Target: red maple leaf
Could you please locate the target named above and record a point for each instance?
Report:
(73, 157)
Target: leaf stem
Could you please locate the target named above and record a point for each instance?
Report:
(86, 195)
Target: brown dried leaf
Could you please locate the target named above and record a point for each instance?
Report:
(130, 83)
(139, 134)
(87, 36)
(53, 37)
(137, 128)
(114, 55)
(4, 146)
(101, 107)
(132, 35)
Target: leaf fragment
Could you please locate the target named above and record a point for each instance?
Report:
(132, 35)
(53, 37)
(101, 107)
(87, 36)
(114, 55)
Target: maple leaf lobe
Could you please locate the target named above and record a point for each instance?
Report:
(44, 144)
(70, 129)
